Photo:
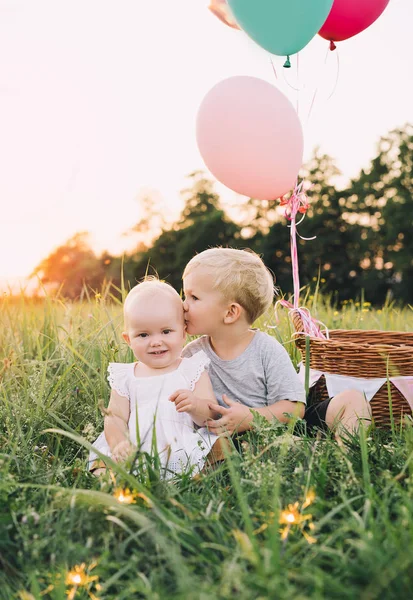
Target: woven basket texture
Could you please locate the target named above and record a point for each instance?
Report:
(362, 353)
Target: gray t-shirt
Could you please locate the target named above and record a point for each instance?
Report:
(263, 374)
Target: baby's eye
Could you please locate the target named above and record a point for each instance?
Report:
(142, 335)
(166, 331)
(194, 297)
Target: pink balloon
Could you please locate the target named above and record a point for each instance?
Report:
(250, 137)
(350, 17)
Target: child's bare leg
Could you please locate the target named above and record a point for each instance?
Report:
(347, 412)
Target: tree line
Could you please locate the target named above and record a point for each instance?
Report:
(363, 233)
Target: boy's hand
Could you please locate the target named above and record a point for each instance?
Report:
(122, 451)
(237, 417)
(185, 401)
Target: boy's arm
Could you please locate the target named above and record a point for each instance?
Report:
(281, 381)
(239, 417)
(280, 408)
(116, 421)
(196, 403)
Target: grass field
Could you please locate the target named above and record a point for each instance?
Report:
(283, 518)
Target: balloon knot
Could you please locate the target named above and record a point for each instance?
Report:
(332, 45)
(287, 64)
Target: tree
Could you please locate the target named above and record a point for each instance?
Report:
(382, 196)
(202, 224)
(363, 233)
(152, 221)
(200, 199)
(335, 251)
(70, 267)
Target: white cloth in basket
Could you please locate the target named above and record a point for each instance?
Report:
(369, 387)
(180, 444)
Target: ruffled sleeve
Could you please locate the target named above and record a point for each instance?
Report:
(119, 376)
(193, 367)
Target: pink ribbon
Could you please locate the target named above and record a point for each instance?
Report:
(311, 326)
(299, 203)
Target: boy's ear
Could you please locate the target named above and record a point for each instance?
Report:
(126, 337)
(234, 311)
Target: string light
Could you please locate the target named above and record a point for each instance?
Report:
(292, 517)
(79, 577)
(125, 496)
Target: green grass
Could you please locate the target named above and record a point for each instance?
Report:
(216, 536)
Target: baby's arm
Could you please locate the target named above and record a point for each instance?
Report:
(116, 427)
(196, 403)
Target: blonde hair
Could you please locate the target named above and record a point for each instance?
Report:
(149, 286)
(240, 275)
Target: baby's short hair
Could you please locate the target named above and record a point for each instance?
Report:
(150, 285)
(240, 275)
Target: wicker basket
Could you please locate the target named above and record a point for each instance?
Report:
(366, 354)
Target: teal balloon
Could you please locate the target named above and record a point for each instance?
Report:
(282, 27)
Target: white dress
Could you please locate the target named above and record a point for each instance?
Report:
(180, 444)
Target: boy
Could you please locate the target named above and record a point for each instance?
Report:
(226, 290)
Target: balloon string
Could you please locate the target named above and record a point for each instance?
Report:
(298, 202)
(298, 83)
(335, 83)
(317, 88)
(294, 259)
(296, 89)
(273, 67)
(337, 75)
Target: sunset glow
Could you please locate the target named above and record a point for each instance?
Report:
(99, 100)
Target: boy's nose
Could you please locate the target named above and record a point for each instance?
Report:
(156, 342)
(185, 306)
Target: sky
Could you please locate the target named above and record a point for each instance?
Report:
(98, 102)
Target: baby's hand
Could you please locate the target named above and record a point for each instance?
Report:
(122, 451)
(185, 401)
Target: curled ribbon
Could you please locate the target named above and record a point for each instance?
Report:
(298, 203)
(311, 326)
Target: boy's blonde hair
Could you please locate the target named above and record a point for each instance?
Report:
(149, 286)
(240, 275)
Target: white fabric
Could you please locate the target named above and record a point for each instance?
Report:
(179, 445)
(369, 387)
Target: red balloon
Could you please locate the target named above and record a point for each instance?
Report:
(350, 17)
